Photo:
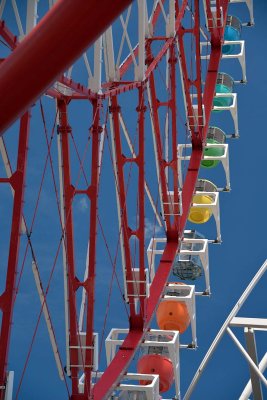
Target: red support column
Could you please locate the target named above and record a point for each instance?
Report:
(135, 291)
(75, 345)
(54, 44)
(193, 84)
(89, 284)
(125, 230)
(161, 162)
(170, 207)
(140, 234)
(173, 163)
(7, 298)
(64, 130)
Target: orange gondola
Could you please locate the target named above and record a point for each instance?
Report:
(159, 365)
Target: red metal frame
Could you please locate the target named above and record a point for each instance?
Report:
(170, 221)
(8, 36)
(61, 37)
(125, 229)
(136, 319)
(25, 91)
(69, 191)
(74, 283)
(17, 182)
(123, 357)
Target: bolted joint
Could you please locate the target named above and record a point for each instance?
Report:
(141, 108)
(149, 59)
(172, 60)
(96, 129)
(76, 284)
(63, 129)
(114, 109)
(164, 163)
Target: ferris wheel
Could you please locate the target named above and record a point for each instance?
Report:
(120, 203)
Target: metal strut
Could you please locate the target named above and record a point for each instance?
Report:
(81, 354)
(60, 37)
(7, 298)
(123, 357)
(30, 57)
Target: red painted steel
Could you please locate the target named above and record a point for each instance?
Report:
(159, 152)
(122, 359)
(8, 36)
(89, 284)
(173, 163)
(122, 194)
(125, 87)
(129, 60)
(126, 232)
(13, 42)
(140, 233)
(54, 44)
(216, 23)
(17, 181)
(136, 334)
(74, 283)
(208, 94)
(170, 206)
(139, 324)
(64, 130)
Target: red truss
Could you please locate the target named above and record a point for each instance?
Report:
(25, 91)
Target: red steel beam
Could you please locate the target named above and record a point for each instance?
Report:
(54, 44)
(64, 130)
(125, 230)
(171, 211)
(159, 151)
(7, 298)
(8, 36)
(140, 234)
(73, 282)
(89, 284)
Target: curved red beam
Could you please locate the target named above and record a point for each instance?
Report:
(53, 45)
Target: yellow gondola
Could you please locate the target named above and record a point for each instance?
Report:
(200, 215)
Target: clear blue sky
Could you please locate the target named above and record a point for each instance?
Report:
(232, 264)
